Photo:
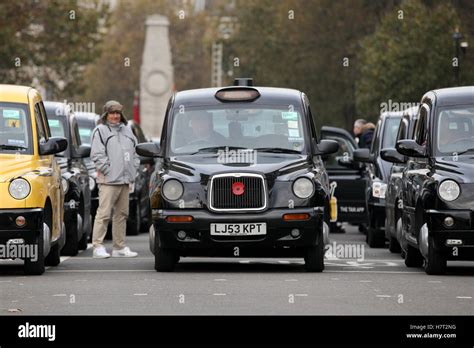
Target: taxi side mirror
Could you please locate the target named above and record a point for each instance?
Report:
(148, 149)
(52, 146)
(363, 155)
(411, 148)
(392, 155)
(326, 147)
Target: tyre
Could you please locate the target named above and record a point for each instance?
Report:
(435, 262)
(165, 260)
(54, 256)
(314, 258)
(36, 267)
(394, 246)
(375, 238)
(413, 257)
(71, 248)
(335, 228)
(134, 222)
(84, 239)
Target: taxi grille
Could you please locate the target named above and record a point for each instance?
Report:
(223, 199)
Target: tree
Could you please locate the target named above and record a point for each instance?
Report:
(116, 72)
(49, 42)
(410, 53)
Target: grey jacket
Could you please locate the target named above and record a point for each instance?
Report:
(113, 153)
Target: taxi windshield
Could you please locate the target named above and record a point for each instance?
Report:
(15, 129)
(390, 132)
(271, 129)
(455, 130)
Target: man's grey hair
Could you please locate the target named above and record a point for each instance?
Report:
(360, 122)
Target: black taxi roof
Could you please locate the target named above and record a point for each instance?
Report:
(453, 96)
(56, 108)
(268, 96)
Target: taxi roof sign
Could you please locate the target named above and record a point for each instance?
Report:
(233, 94)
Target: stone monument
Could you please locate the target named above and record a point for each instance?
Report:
(156, 76)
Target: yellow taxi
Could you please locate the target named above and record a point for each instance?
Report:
(31, 192)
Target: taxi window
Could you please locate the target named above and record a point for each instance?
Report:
(390, 132)
(345, 151)
(56, 127)
(85, 134)
(15, 129)
(265, 127)
(40, 127)
(455, 130)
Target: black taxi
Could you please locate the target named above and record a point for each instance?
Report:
(438, 181)
(76, 182)
(239, 174)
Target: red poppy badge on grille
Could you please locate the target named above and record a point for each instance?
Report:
(238, 188)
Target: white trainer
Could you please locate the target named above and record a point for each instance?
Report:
(124, 252)
(100, 253)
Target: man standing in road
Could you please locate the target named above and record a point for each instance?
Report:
(113, 152)
(364, 132)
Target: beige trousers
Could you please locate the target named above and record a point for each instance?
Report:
(111, 198)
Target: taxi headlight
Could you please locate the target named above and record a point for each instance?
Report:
(379, 189)
(91, 184)
(172, 190)
(449, 190)
(65, 185)
(19, 188)
(303, 188)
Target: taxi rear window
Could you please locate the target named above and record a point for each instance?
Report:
(15, 129)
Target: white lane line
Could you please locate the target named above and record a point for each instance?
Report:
(59, 295)
(366, 281)
(381, 272)
(140, 294)
(283, 262)
(220, 280)
(100, 270)
(291, 280)
(465, 297)
(244, 261)
(383, 296)
(219, 294)
(301, 295)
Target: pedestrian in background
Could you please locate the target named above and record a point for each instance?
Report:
(364, 133)
(113, 153)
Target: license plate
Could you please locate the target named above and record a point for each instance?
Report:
(250, 229)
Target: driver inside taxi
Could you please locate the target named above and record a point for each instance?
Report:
(203, 130)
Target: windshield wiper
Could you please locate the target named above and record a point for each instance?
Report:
(216, 148)
(12, 147)
(276, 150)
(465, 151)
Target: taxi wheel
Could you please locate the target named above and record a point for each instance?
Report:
(84, 239)
(165, 260)
(314, 258)
(134, 222)
(394, 246)
(71, 248)
(435, 262)
(36, 267)
(413, 257)
(54, 256)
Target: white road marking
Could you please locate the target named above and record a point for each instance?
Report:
(220, 280)
(140, 294)
(59, 295)
(244, 261)
(366, 281)
(219, 294)
(301, 295)
(383, 296)
(284, 262)
(465, 297)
